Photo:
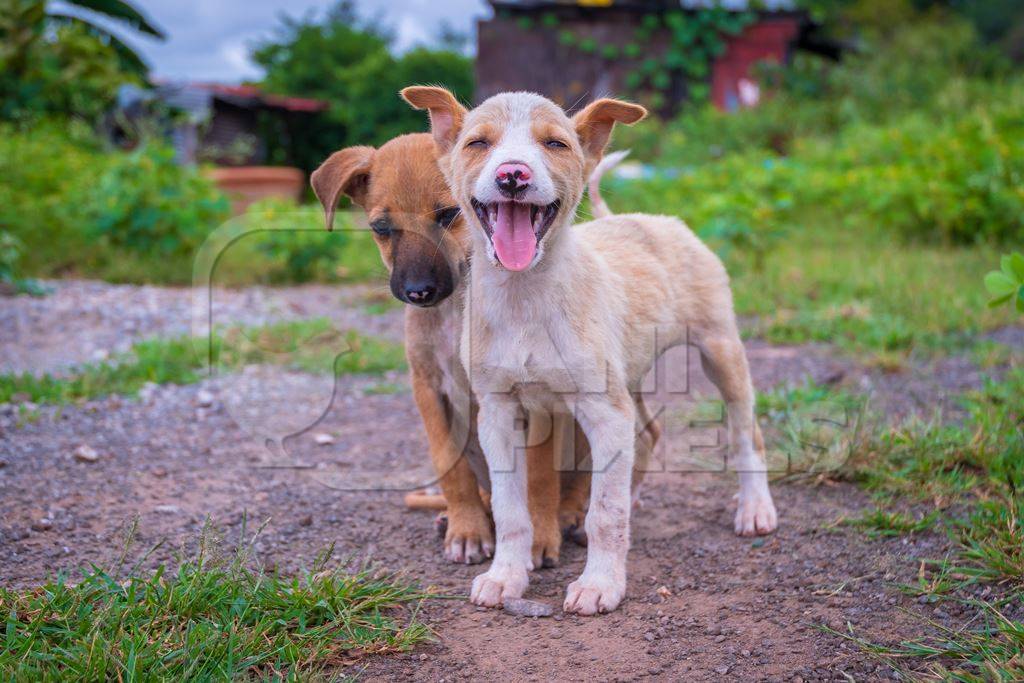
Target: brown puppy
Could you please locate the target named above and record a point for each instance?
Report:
(424, 242)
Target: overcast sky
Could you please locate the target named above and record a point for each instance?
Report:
(208, 40)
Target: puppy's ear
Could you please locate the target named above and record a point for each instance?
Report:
(446, 114)
(346, 171)
(594, 124)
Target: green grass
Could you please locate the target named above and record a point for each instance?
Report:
(992, 649)
(879, 522)
(869, 295)
(971, 473)
(308, 345)
(311, 345)
(809, 428)
(211, 618)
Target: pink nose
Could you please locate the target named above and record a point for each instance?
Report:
(512, 178)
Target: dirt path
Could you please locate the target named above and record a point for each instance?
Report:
(701, 604)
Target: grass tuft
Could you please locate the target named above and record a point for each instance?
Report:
(879, 522)
(211, 618)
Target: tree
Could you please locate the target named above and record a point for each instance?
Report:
(56, 62)
(348, 62)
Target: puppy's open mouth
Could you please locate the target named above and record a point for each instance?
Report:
(515, 229)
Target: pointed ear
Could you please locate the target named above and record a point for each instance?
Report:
(446, 114)
(346, 171)
(594, 123)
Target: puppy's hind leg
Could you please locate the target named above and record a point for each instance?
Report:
(544, 469)
(725, 363)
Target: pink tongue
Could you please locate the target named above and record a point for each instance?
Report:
(514, 241)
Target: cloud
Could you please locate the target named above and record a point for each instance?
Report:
(210, 40)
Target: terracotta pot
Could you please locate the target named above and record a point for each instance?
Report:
(247, 184)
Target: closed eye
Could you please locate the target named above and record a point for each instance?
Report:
(478, 142)
(556, 144)
(446, 216)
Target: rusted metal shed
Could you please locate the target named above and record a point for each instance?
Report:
(525, 47)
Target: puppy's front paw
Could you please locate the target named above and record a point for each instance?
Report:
(497, 584)
(592, 594)
(572, 523)
(755, 515)
(468, 538)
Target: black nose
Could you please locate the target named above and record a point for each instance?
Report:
(421, 294)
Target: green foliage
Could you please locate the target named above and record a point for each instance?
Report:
(696, 37)
(58, 64)
(296, 243)
(349, 64)
(76, 208)
(1007, 283)
(309, 345)
(215, 616)
(47, 170)
(148, 204)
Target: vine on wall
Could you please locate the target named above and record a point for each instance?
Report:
(697, 38)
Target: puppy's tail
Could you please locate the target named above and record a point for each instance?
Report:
(610, 161)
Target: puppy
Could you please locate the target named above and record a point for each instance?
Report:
(572, 319)
(423, 241)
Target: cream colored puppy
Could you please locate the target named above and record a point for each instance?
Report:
(571, 320)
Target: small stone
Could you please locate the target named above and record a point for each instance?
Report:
(3, 464)
(522, 607)
(86, 453)
(159, 472)
(757, 543)
(44, 524)
(664, 592)
(167, 509)
(204, 399)
(306, 521)
(323, 439)
(722, 670)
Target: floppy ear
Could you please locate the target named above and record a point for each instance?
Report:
(446, 114)
(346, 171)
(594, 123)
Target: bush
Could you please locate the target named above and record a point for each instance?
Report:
(46, 171)
(296, 244)
(79, 209)
(915, 177)
(148, 204)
